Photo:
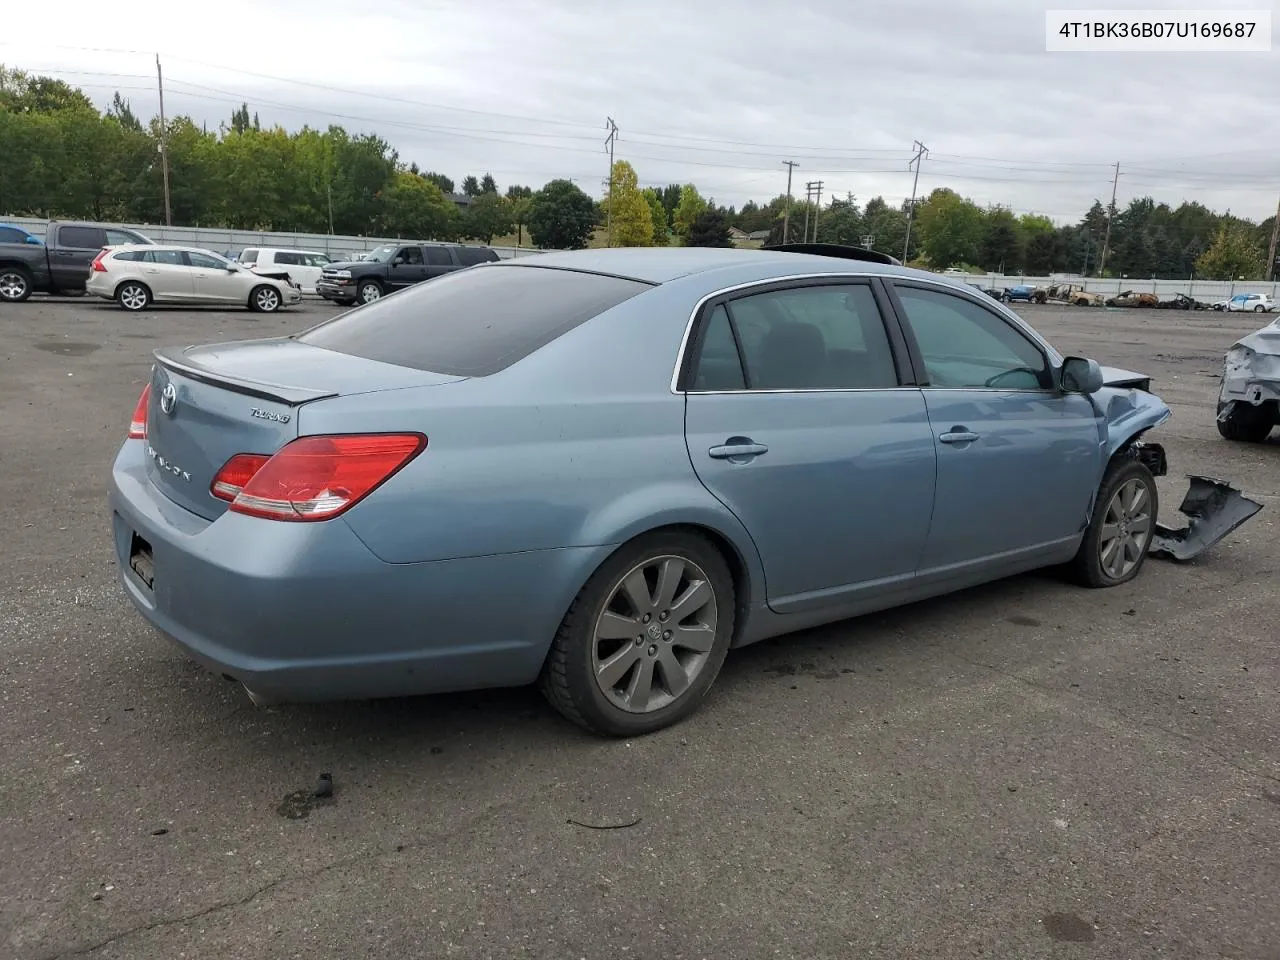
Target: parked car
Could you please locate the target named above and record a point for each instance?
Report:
(1023, 293)
(1072, 293)
(1130, 298)
(1249, 399)
(302, 266)
(137, 276)
(1249, 303)
(600, 470)
(394, 266)
(59, 265)
(1181, 301)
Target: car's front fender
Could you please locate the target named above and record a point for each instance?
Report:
(1128, 412)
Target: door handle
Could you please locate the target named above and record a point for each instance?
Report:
(957, 435)
(737, 450)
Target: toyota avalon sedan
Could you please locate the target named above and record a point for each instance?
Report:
(602, 470)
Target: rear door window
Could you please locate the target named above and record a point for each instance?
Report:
(470, 256)
(438, 257)
(249, 256)
(473, 323)
(82, 238)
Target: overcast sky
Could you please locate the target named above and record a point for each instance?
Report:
(714, 92)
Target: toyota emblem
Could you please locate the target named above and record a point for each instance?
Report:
(169, 398)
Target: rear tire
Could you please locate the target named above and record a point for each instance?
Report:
(1247, 423)
(683, 617)
(1119, 534)
(133, 296)
(15, 284)
(264, 299)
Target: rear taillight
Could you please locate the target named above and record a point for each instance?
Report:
(235, 473)
(97, 266)
(314, 478)
(138, 425)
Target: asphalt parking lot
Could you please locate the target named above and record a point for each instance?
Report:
(1023, 770)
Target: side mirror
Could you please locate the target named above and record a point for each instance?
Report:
(233, 268)
(1081, 376)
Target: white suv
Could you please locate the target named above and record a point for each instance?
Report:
(303, 266)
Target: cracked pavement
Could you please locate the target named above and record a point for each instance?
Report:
(1024, 770)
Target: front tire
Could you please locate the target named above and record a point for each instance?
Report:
(133, 296)
(15, 284)
(645, 638)
(1246, 423)
(369, 291)
(1115, 544)
(264, 299)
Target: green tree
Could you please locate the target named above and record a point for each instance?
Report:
(488, 216)
(515, 192)
(840, 223)
(950, 229)
(488, 184)
(415, 208)
(1001, 247)
(440, 180)
(709, 229)
(690, 207)
(1040, 236)
(521, 210)
(470, 186)
(563, 217)
(658, 217)
(628, 209)
(1233, 255)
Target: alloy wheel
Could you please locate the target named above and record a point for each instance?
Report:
(1126, 529)
(654, 634)
(370, 293)
(133, 297)
(13, 285)
(267, 300)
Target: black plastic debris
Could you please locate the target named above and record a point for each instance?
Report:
(1214, 508)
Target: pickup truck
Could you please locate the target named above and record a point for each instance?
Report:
(394, 266)
(59, 264)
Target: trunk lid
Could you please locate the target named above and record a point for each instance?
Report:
(209, 403)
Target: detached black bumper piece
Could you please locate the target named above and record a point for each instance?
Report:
(1214, 509)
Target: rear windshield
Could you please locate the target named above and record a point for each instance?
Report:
(470, 256)
(472, 323)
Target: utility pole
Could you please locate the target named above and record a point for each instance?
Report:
(1271, 251)
(817, 209)
(809, 188)
(613, 135)
(921, 152)
(786, 214)
(164, 147)
(1111, 212)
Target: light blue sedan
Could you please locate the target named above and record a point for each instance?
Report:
(601, 470)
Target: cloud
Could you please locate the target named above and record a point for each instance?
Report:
(716, 92)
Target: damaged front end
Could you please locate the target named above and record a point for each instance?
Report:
(1213, 507)
(1249, 401)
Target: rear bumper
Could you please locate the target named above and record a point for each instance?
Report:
(304, 611)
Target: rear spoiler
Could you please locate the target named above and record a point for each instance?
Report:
(176, 360)
(840, 250)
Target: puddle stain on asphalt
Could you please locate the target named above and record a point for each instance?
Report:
(1068, 928)
(67, 348)
(299, 804)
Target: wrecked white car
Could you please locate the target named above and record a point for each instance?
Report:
(1249, 401)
